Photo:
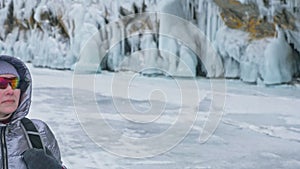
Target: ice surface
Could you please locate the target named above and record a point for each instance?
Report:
(259, 128)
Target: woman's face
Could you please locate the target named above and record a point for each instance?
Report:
(9, 98)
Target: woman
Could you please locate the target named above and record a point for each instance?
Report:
(15, 99)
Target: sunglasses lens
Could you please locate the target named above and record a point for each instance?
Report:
(13, 82)
(3, 85)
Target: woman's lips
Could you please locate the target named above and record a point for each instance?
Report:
(8, 101)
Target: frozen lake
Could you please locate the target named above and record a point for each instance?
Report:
(260, 126)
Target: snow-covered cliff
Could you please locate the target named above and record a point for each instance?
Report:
(253, 40)
(258, 43)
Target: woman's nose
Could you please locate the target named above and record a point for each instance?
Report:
(9, 89)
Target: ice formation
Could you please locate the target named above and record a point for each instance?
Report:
(131, 35)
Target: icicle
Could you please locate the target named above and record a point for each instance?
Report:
(209, 21)
(192, 10)
(186, 9)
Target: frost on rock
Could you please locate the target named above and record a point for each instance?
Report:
(231, 45)
(229, 38)
(251, 63)
(278, 64)
(271, 60)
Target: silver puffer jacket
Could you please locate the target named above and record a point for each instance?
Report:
(13, 140)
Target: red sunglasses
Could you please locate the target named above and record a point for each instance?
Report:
(12, 81)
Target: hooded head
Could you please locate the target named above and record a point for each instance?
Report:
(14, 66)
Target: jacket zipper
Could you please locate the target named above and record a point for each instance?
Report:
(4, 148)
